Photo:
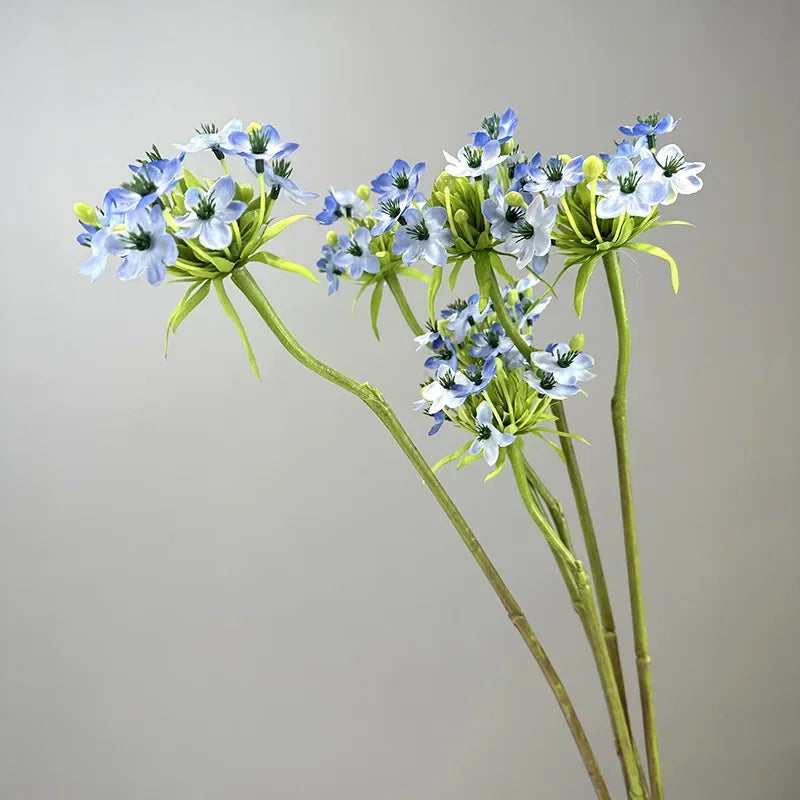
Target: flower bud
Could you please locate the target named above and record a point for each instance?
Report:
(512, 297)
(461, 217)
(515, 199)
(592, 167)
(86, 214)
(253, 126)
(332, 238)
(363, 192)
(577, 342)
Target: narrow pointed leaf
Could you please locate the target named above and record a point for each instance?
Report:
(228, 308)
(643, 247)
(468, 459)
(192, 180)
(175, 312)
(454, 273)
(483, 275)
(364, 287)
(282, 263)
(277, 227)
(452, 457)
(191, 304)
(375, 307)
(499, 268)
(433, 290)
(411, 272)
(501, 462)
(581, 281)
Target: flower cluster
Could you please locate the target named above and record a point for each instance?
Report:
(482, 382)
(164, 220)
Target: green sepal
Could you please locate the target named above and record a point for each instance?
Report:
(220, 262)
(230, 311)
(189, 302)
(581, 282)
(282, 263)
(499, 268)
(433, 290)
(183, 268)
(658, 252)
(456, 454)
(277, 227)
(375, 307)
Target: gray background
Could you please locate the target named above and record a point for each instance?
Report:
(213, 587)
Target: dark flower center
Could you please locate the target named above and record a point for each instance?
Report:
(554, 169)
(492, 126)
(448, 380)
(672, 165)
(473, 157)
(548, 380)
(354, 248)
(205, 208)
(629, 182)
(391, 208)
(419, 231)
(259, 141)
(141, 183)
(483, 433)
(564, 359)
(401, 180)
(514, 214)
(139, 240)
(524, 230)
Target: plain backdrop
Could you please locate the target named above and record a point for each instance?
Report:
(214, 587)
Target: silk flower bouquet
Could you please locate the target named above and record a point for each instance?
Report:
(502, 214)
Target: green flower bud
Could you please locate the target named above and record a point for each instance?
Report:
(332, 238)
(512, 297)
(461, 216)
(86, 214)
(363, 192)
(592, 168)
(577, 342)
(515, 199)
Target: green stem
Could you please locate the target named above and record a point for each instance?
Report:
(592, 549)
(554, 506)
(503, 317)
(377, 404)
(393, 282)
(582, 596)
(619, 419)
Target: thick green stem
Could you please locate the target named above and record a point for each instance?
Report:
(592, 549)
(393, 282)
(554, 506)
(580, 589)
(378, 405)
(619, 419)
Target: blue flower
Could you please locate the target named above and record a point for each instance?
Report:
(399, 181)
(637, 149)
(567, 366)
(439, 419)
(355, 256)
(650, 127)
(490, 343)
(676, 173)
(496, 129)
(342, 203)
(629, 188)
(548, 386)
(441, 392)
(431, 338)
(391, 210)
(145, 246)
(461, 315)
(149, 182)
(277, 180)
(502, 217)
(424, 236)
(209, 137)
(522, 175)
(331, 270)
(488, 439)
(210, 214)
(444, 354)
(259, 143)
(532, 311)
(555, 177)
(530, 241)
(479, 376)
(472, 162)
(103, 244)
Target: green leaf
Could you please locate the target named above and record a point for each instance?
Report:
(364, 287)
(468, 459)
(228, 308)
(175, 312)
(375, 307)
(658, 253)
(499, 268)
(412, 272)
(221, 263)
(581, 281)
(433, 290)
(282, 263)
(192, 180)
(672, 222)
(555, 447)
(244, 192)
(277, 227)
(454, 273)
(452, 457)
(191, 304)
(483, 275)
